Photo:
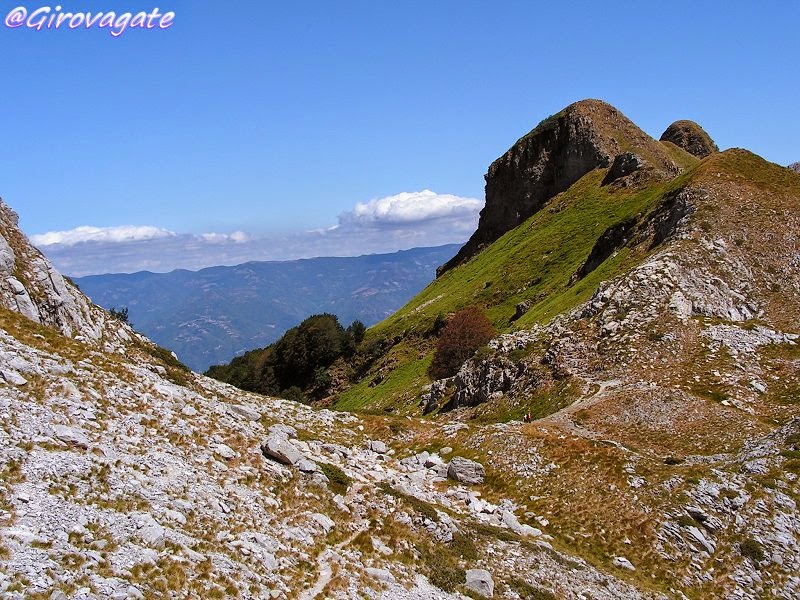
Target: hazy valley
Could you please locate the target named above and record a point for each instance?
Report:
(209, 316)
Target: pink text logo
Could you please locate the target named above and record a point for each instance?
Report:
(48, 17)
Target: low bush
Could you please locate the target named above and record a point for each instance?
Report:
(443, 570)
(526, 591)
(339, 480)
(752, 549)
(465, 332)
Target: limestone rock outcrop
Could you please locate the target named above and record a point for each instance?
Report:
(480, 582)
(691, 137)
(466, 471)
(30, 285)
(118, 477)
(586, 135)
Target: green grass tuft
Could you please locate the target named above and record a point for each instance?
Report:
(752, 549)
(339, 480)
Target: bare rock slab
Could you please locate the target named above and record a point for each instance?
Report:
(466, 471)
(277, 447)
(71, 436)
(480, 581)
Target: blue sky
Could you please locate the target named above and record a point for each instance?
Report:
(272, 119)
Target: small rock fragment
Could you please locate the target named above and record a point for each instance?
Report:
(380, 575)
(224, 451)
(244, 411)
(280, 449)
(378, 447)
(71, 436)
(623, 563)
(324, 521)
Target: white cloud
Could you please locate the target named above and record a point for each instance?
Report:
(411, 207)
(399, 222)
(87, 233)
(238, 237)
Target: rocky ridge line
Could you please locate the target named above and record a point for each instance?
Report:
(585, 136)
(30, 285)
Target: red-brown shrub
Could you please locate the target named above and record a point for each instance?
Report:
(465, 332)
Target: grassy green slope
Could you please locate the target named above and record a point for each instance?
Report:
(532, 262)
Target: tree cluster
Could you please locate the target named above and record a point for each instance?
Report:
(120, 315)
(297, 365)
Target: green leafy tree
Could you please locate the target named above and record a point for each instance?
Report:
(322, 378)
(354, 335)
(358, 330)
(298, 361)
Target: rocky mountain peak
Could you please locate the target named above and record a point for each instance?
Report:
(586, 135)
(795, 167)
(691, 137)
(31, 286)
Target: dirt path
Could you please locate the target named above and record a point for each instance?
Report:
(324, 567)
(563, 418)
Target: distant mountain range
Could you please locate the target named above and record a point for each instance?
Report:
(207, 317)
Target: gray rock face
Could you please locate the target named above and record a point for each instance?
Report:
(31, 286)
(12, 377)
(691, 137)
(284, 431)
(584, 136)
(224, 451)
(522, 308)
(432, 398)
(281, 449)
(795, 167)
(306, 465)
(378, 447)
(623, 563)
(245, 411)
(624, 164)
(71, 436)
(380, 574)
(324, 521)
(477, 381)
(480, 381)
(466, 471)
(480, 581)
(278, 447)
(153, 536)
(510, 520)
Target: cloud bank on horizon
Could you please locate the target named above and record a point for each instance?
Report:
(87, 233)
(399, 222)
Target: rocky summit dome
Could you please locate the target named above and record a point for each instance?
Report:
(584, 136)
(691, 137)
